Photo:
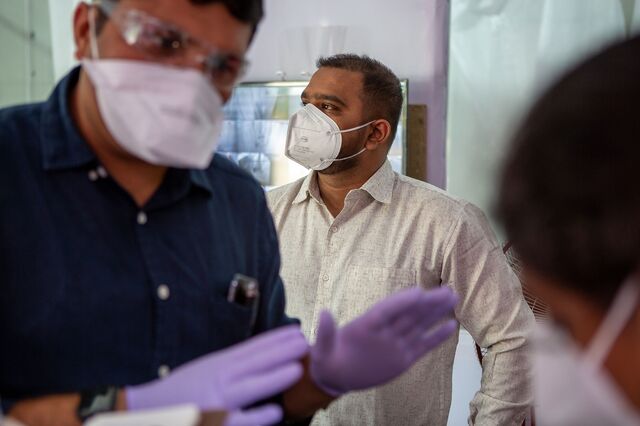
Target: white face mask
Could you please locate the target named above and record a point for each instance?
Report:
(571, 387)
(163, 115)
(314, 140)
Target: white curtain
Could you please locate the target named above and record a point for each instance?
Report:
(502, 53)
(635, 18)
(62, 44)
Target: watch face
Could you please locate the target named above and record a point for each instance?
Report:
(97, 401)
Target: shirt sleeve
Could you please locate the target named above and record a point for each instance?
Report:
(493, 310)
(273, 301)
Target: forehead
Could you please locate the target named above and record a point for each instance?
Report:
(210, 23)
(347, 85)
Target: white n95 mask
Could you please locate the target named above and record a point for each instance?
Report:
(314, 139)
(571, 386)
(163, 115)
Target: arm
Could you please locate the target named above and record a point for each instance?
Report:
(54, 410)
(493, 310)
(305, 397)
(227, 380)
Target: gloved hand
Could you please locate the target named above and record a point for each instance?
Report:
(232, 378)
(383, 343)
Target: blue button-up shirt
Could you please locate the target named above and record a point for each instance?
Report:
(95, 290)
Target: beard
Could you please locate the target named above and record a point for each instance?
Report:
(341, 166)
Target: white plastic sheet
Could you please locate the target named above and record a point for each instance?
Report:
(502, 52)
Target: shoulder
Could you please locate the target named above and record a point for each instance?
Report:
(19, 135)
(19, 121)
(234, 190)
(447, 210)
(224, 171)
(284, 194)
(432, 198)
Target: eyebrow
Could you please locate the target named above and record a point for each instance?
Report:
(322, 97)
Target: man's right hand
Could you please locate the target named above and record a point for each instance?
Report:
(232, 379)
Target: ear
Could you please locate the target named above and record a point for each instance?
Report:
(81, 30)
(379, 134)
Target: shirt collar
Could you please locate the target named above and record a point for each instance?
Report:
(62, 145)
(379, 186)
(308, 189)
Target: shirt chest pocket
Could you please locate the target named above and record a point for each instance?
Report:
(364, 286)
(229, 323)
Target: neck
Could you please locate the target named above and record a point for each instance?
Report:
(138, 178)
(335, 187)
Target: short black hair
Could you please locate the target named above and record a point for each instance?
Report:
(247, 11)
(381, 91)
(569, 193)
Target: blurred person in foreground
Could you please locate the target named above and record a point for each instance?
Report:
(570, 203)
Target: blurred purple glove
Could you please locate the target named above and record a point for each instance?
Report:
(232, 378)
(383, 343)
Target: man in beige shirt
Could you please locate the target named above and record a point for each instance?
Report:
(354, 231)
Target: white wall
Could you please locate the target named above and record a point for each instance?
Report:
(26, 73)
(407, 35)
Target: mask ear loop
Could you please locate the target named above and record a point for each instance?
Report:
(618, 315)
(353, 129)
(349, 157)
(350, 130)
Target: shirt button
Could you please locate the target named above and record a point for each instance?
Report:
(163, 292)
(325, 277)
(102, 172)
(142, 218)
(334, 229)
(93, 175)
(163, 371)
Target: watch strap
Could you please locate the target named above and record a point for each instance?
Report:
(96, 401)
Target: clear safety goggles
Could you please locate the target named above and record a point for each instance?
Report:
(163, 42)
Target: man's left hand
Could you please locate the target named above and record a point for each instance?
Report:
(383, 343)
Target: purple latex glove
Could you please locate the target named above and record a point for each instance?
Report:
(232, 378)
(383, 343)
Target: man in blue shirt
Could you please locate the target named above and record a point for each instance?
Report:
(120, 231)
(115, 270)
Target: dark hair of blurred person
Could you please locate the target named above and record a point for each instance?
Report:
(570, 203)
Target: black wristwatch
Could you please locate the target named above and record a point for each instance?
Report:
(97, 401)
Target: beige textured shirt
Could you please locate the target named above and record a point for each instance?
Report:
(397, 232)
